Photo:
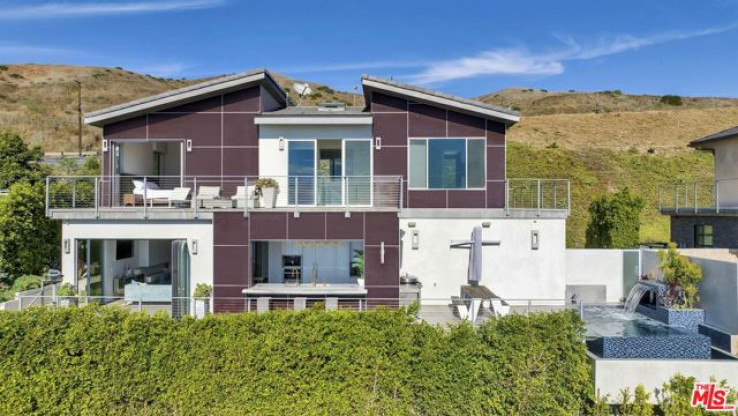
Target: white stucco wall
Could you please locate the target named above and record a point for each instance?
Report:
(613, 375)
(511, 270)
(726, 170)
(596, 267)
(201, 263)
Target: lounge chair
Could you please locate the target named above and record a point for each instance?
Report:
(500, 307)
(242, 195)
(179, 196)
(461, 309)
(209, 197)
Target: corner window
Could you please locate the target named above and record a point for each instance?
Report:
(447, 163)
(703, 236)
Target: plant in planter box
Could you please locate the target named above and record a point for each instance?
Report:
(67, 295)
(358, 264)
(202, 299)
(266, 191)
(681, 276)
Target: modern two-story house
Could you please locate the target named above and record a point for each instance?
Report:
(227, 183)
(705, 214)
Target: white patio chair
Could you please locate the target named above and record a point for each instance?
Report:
(179, 196)
(244, 194)
(460, 306)
(499, 308)
(207, 194)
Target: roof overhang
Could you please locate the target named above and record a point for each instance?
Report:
(186, 95)
(707, 142)
(438, 99)
(308, 120)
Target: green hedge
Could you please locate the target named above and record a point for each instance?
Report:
(103, 360)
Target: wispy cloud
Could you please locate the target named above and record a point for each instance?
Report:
(11, 52)
(520, 61)
(68, 10)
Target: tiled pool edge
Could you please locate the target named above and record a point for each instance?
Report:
(688, 319)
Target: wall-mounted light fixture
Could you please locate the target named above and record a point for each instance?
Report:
(411, 224)
(104, 145)
(194, 246)
(534, 239)
(381, 252)
(347, 214)
(415, 239)
(189, 145)
(281, 144)
(378, 143)
(67, 246)
(486, 224)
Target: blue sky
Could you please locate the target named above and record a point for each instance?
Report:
(463, 47)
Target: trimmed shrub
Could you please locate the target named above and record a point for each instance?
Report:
(105, 360)
(671, 100)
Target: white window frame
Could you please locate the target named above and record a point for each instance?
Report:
(466, 155)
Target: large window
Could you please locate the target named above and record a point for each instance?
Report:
(703, 235)
(447, 163)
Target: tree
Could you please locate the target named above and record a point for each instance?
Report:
(29, 241)
(615, 221)
(681, 276)
(18, 162)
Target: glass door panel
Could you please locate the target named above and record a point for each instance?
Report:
(301, 171)
(180, 278)
(358, 171)
(329, 174)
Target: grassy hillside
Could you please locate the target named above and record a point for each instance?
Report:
(600, 140)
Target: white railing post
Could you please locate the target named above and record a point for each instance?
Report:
(74, 192)
(344, 180)
(48, 185)
(695, 197)
(97, 197)
(145, 212)
(507, 197)
(245, 197)
(538, 185)
(402, 193)
(717, 196)
(568, 197)
(297, 191)
(195, 202)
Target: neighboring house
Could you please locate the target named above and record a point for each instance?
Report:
(401, 180)
(705, 214)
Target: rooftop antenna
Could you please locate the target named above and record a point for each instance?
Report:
(302, 90)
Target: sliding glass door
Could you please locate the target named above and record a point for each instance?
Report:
(357, 156)
(301, 171)
(180, 278)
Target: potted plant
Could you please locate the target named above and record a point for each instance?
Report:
(66, 294)
(266, 191)
(358, 265)
(202, 299)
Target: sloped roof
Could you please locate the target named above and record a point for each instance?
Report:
(465, 105)
(725, 134)
(185, 95)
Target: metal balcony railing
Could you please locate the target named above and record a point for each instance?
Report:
(538, 196)
(699, 197)
(150, 194)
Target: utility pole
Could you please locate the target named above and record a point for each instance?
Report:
(79, 117)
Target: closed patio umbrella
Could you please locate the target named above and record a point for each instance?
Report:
(475, 256)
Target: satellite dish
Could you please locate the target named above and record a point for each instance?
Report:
(302, 89)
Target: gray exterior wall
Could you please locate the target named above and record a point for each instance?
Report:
(724, 229)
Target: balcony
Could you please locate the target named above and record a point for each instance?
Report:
(548, 198)
(192, 197)
(719, 197)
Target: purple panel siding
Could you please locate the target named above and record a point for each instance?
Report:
(211, 104)
(495, 163)
(382, 103)
(242, 101)
(239, 130)
(240, 162)
(230, 265)
(134, 128)
(426, 199)
(338, 227)
(390, 161)
(268, 225)
(466, 199)
(202, 128)
(495, 133)
(203, 162)
(230, 228)
(392, 128)
(462, 125)
(309, 226)
(382, 227)
(496, 194)
(426, 121)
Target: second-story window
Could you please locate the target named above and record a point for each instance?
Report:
(447, 163)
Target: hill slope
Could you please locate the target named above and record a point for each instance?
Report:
(600, 141)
